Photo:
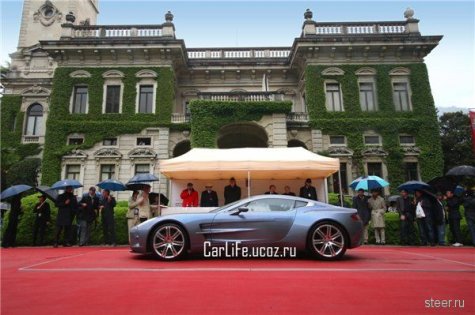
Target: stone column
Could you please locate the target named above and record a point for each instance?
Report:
(279, 131)
(162, 151)
(317, 140)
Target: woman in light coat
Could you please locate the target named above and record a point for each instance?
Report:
(378, 209)
(132, 214)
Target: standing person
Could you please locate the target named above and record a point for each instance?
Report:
(287, 191)
(89, 207)
(271, 191)
(107, 205)
(209, 198)
(67, 204)
(9, 238)
(360, 203)
(407, 215)
(232, 192)
(378, 209)
(133, 212)
(453, 206)
(438, 219)
(425, 223)
(189, 196)
(308, 191)
(469, 206)
(145, 209)
(42, 219)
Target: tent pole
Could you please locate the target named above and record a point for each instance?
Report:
(248, 184)
(159, 210)
(341, 188)
(170, 190)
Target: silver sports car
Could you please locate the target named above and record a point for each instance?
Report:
(322, 230)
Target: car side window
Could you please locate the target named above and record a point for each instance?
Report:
(300, 204)
(265, 205)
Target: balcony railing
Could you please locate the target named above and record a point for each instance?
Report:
(241, 96)
(178, 118)
(116, 31)
(360, 28)
(238, 53)
(32, 139)
(297, 117)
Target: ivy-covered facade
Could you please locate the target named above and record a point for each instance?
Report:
(110, 104)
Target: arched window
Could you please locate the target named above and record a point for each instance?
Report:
(34, 120)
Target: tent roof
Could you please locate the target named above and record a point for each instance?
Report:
(262, 163)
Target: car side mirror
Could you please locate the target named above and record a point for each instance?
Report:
(239, 210)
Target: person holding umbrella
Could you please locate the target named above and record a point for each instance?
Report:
(424, 222)
(106, 207)
(42, 219)
(360, 203)
(67, 205)
(407, 215)
(469, 206)
(9, 238)
(378, 209)
(89, 208)
(452, 207)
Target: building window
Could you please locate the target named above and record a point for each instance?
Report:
(334, 101)
(145, 99)
(109, 142)
(142, 169)
(107, 171)
(375, 169)
(407, 140)
(79, 100)
(34, 120)
(367, 97)
(411, 171)
(112, 99)
(372, 140)
(344, 180)
(75, 140)
(144, 141)
(401, 96)
(337, 140)
(73, 171)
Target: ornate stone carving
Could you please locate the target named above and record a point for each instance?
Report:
(333, 71)
(374, 151)
(36, 91)
(339, 151)
(47, 14)
(76, 154)
(411, 150)
(142, 153)
(108, 152)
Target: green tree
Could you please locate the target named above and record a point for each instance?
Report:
(456, 139)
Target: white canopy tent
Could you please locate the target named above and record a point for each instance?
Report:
(256, 164)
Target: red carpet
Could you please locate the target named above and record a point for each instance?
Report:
(387, 280)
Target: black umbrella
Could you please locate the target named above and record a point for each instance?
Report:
(62, 184)
(462, 170)
(48, 192)
(443, 183)
(413, 185)
(143, 178)
(154, 198)
(136, 186)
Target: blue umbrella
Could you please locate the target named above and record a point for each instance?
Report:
(413, 185)
(62, 184)
(112, 184)
(368, 183)
(14, 190)
(143, 178)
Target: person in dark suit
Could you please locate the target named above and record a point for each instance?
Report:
(308, 191)
(107, 205)
(9, 238)
(67, 205)
(42, 219)
(407, 215)
(209, 198)
(89, 207)
(360, 203)
(232, 192)
(271, 191)
(287, 191)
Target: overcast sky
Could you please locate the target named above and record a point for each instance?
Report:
(276, 23)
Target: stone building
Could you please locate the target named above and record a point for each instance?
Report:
(113, 100)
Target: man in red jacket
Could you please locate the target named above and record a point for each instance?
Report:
(189, 196)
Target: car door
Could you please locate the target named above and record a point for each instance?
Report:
(267, 220)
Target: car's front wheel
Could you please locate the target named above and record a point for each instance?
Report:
(168, 242)
(327, 241)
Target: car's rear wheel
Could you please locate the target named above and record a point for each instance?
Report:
(327, 241)
(168, 242)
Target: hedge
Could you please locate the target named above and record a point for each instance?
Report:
(25, 227)
(421, 122)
